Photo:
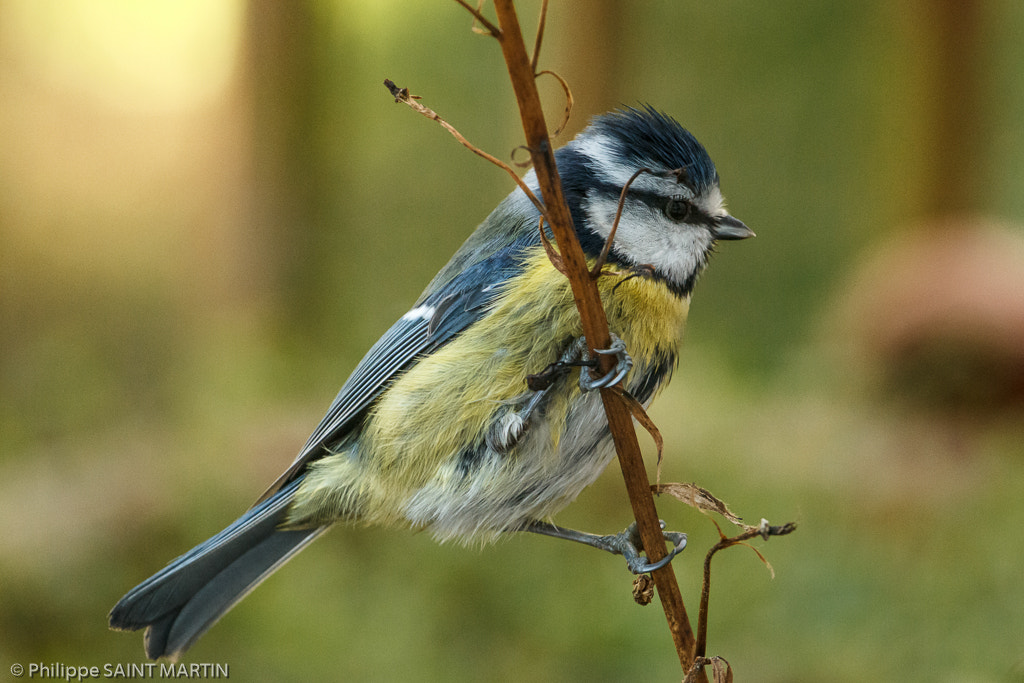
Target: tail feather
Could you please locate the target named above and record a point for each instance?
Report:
(184, 599)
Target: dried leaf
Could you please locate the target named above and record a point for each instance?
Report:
(553, 255)
(637, 410)
(643, 589)
(698, 497)
(771, 570)
(721, 672)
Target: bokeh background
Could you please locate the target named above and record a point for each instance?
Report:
(210, 210)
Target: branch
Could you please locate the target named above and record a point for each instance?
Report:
(594, 321)
(765, 531)
(403, 96)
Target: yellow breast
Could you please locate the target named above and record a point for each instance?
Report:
(444, 404)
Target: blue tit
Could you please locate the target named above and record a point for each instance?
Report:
(437, 427)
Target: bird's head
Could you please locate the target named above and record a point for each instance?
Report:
(673, 213)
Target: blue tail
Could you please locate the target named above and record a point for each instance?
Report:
(184, 599)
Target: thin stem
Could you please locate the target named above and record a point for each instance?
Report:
(594, 322)
(478, 15)
(596, 270)
(540, 36)
(568, 100)
(402, 95)
(765, 531)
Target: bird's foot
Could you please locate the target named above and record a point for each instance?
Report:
(626, 543)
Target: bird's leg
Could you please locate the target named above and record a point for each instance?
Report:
(577, 355)
(571, 358)
(510, 425)
(506, 431)
(626, 543)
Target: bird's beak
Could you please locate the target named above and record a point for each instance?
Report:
(729, 228)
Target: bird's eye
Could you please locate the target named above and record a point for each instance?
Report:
(677, 208)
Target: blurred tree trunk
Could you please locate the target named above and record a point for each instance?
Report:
(954, 181)
(590, 58)
(281, 45)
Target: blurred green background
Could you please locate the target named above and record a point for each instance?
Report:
(210, 210)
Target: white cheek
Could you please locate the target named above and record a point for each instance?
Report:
(647, 237)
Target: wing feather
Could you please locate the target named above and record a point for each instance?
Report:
(441, 313)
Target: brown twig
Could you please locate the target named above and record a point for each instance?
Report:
(641, 416)
(540, 36)
(522, 72)
(479, 16)
(765, 531)
(679, 174)
(594, 322)
(567, 112)
(403, 96)
(596, 270)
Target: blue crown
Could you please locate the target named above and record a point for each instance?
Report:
(645, 137)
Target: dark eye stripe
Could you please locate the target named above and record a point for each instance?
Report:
(654, 200)
(658, 202)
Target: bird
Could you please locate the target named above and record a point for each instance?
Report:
(476, 413)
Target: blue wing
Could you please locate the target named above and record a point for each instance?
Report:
(457, 297)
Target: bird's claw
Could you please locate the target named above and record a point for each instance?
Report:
(627, 542)
(625, 363)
